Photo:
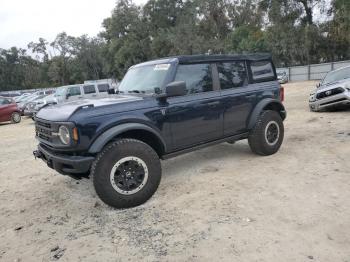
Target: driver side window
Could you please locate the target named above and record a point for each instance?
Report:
(198, 77)
(74, 91)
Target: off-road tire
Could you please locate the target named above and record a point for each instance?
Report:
(15, 117)
(257, 137)
(109, 156)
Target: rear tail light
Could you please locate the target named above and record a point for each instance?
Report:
(282, 94)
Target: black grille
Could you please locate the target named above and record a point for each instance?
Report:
(334, 101)
(329, 93)
(43, 130)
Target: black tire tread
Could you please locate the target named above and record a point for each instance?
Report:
(13, 121)
(124, 201)
(255, 140)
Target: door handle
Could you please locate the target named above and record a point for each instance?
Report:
(251, 96)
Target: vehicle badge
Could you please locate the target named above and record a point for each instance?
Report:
(328, 93)
(163, 110)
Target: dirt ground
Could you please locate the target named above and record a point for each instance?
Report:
(222, 203)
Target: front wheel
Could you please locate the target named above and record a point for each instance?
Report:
(15, 117)
(267, 135)
(126, 173)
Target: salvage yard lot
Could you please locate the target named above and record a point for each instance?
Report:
(220, 203)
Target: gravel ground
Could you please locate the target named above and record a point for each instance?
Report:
(222, 203)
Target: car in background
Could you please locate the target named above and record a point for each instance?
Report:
(79, 92)
(9, 110)
(332, 92)
(33, 107)
(18, 99)
(37, 95)
(282, 77)
(22, 105)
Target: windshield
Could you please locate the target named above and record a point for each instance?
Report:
(144, 79)
(35, 98)
(60, 91)
(21, 98)
(336, 75)
(25, 99)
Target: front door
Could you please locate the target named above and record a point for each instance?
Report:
(196, 117)
(74, 93)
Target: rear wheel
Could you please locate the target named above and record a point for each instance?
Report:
(267, 135)
(126, 173)
(15, 117)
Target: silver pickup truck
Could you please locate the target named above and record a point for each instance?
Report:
(333, 91)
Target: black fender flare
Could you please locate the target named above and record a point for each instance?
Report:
(109, 134)
(270, 103)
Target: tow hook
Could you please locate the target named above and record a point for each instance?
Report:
(37, 154)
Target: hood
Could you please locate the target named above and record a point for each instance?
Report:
(62, 112)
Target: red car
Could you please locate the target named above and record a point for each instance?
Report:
(9, 110)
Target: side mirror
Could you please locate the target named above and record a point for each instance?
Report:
(176, 89)
(67, 96)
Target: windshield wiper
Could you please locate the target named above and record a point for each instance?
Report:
(134, 91)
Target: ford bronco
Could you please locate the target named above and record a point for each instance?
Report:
(163, 108)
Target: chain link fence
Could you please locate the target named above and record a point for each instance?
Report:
(311, 72)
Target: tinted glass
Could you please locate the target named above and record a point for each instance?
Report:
(89, 89)
(232, 74)
(262, 71)
(198, 77)
(103, 87)
(74, 91)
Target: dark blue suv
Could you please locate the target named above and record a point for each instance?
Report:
(163, 108)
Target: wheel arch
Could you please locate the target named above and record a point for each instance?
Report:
(266, 104)
(137, 131)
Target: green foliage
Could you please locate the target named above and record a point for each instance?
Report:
(289, 29)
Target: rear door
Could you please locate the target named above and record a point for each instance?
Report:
(238, 97)
(196, 117)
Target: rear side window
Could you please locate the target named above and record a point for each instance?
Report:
(89, 89)
(198, 77)
(4, 101)
(262, 71)
(232, 75)
(103, 88)
(74, 91)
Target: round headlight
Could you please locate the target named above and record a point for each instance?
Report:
(64, 135)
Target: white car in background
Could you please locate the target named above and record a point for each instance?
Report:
(85, 91)
(34, 106)
(333, 91)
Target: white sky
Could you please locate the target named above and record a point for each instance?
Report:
(23, 21)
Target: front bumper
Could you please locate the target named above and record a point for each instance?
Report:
(75, 166)
(335, 100)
